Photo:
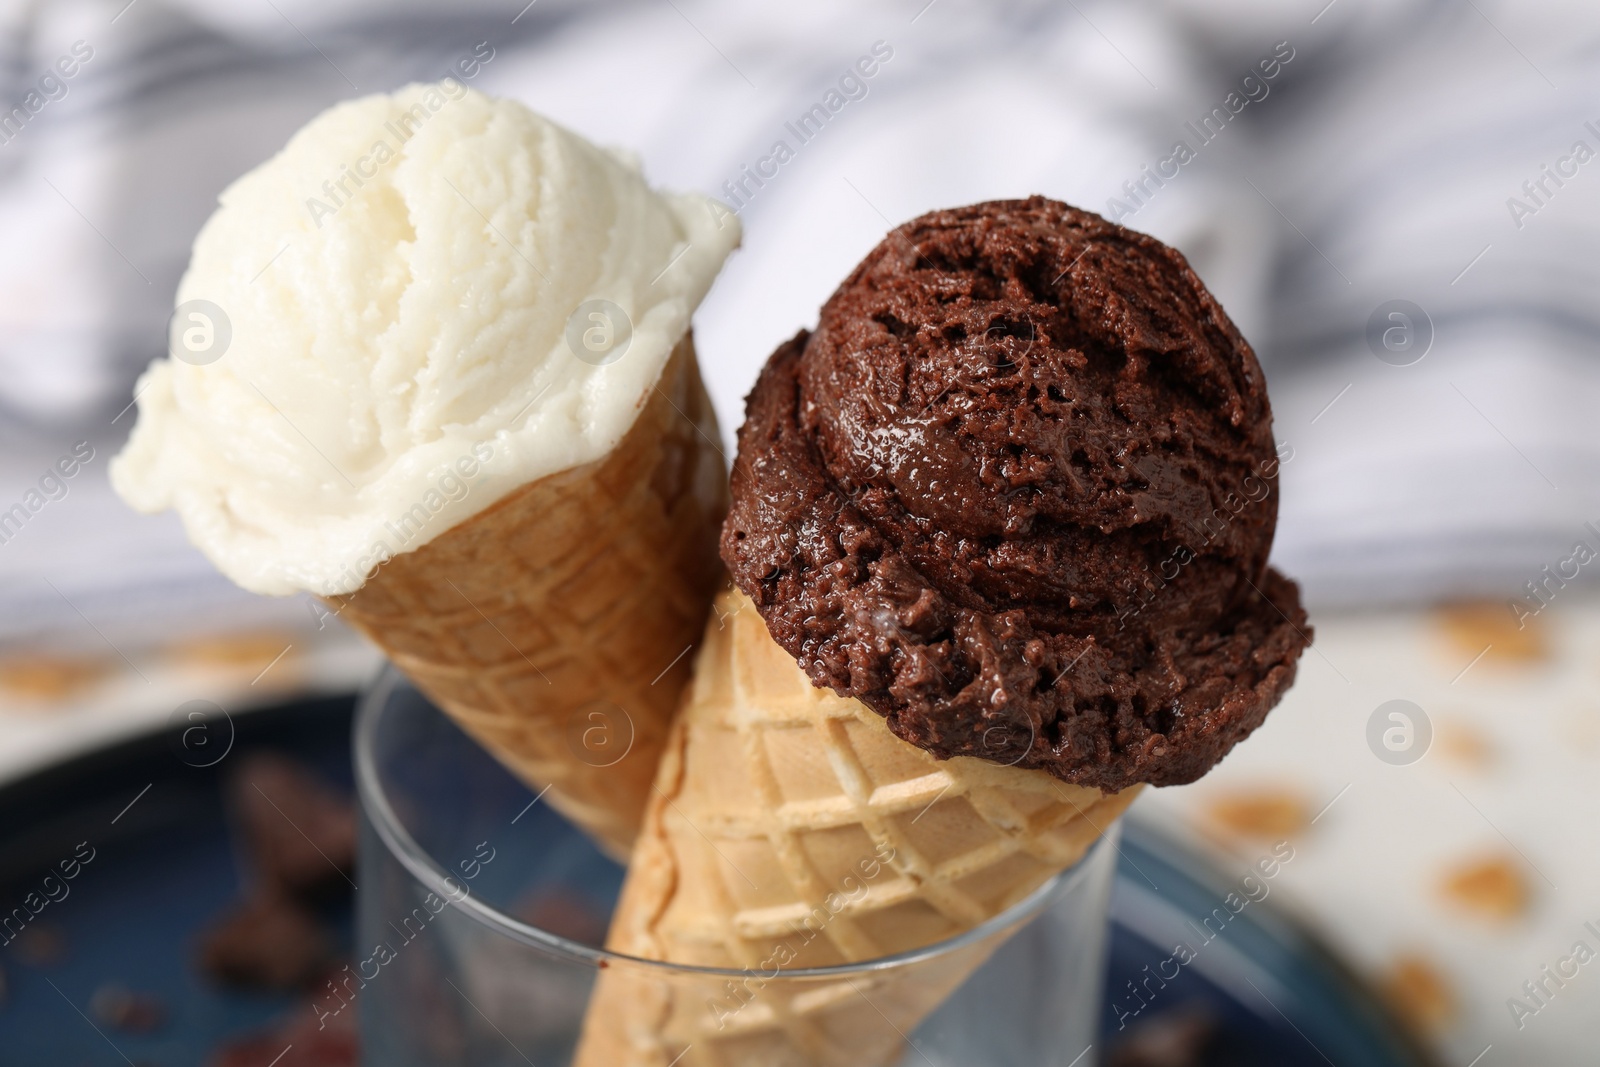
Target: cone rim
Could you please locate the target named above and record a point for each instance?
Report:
(381, 816)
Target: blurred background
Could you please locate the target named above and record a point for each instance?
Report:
(1398, 202)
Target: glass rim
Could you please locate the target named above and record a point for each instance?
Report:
(380, 814)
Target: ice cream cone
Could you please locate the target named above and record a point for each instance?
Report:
(791, 829)
(553, 626)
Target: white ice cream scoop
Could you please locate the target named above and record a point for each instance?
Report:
(427, 298)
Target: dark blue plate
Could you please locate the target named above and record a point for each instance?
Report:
(164, 865)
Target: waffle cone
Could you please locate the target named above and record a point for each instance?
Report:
(791, 829)
(553, 626)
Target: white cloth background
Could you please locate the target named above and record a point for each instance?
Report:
(1376, 168)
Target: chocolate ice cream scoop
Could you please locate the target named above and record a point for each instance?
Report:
(1016, 494)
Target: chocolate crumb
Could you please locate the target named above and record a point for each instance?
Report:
(121, 1008)
(300, 832)
(268, 943)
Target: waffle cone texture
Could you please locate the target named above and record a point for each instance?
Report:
(553, 626)
(789, 829)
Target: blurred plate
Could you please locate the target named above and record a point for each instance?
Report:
(1261, 990)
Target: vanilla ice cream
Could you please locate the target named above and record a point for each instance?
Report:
(383, 331)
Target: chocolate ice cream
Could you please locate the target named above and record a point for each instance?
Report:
(1016, 494)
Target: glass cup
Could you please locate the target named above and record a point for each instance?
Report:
(481, 914)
